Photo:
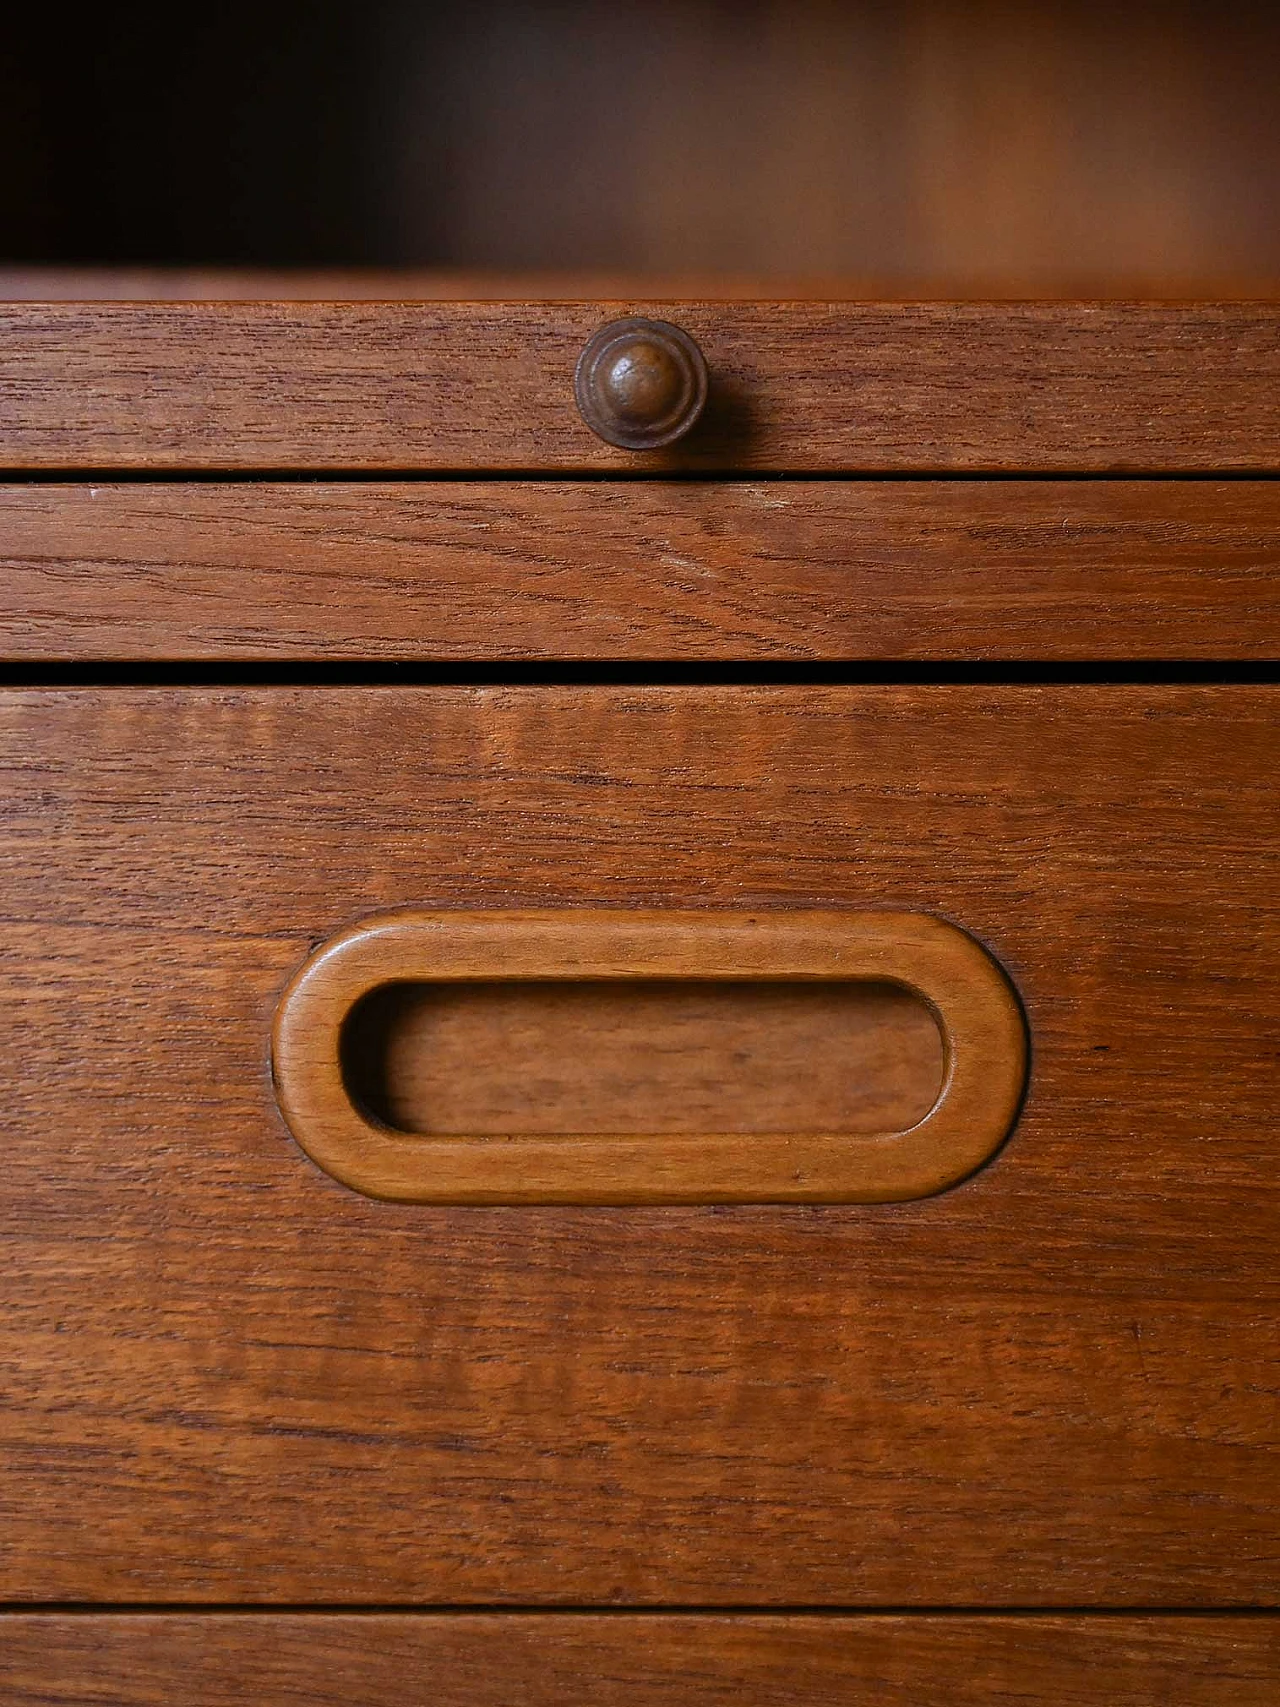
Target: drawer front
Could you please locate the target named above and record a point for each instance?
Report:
(232, 1378)
(685, 570)
(639, 1660)
(830, 387)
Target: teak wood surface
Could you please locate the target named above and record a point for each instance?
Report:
(230, 1379)
(731, 571)
(839, 387)
(976, 1010)
(633, 1660)
(651, 1055)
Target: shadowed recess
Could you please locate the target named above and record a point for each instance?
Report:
(641, 1056)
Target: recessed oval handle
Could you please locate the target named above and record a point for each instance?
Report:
(640, 384)
(977, 1011)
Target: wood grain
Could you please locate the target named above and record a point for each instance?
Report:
(633, 1660)
(832, 387)
(228, 1378)
(656, 1055)
(977, 1013)
(458, 570)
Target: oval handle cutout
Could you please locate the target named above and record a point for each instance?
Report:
(587, 1058)
(650, 1057)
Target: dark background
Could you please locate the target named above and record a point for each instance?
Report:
(930, 145)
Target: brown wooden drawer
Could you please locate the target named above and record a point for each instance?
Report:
(633, 1660)
(830, 387)
(502, 570)
(230, 1378)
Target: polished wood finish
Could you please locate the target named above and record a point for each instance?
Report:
(640, 384)
(229, 1378)
(644, 1055)
(633, 1660)
(735, 571)
(976, 1010)
(833, 387)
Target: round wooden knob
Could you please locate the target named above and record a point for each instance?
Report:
(640, 384)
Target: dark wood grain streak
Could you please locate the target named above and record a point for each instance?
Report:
(229, 1378)
(502, 570)
(837, 387)
(639, 1660)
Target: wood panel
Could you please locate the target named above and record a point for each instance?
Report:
(683, 570)
(633, 1660)
(833, 387)
(230, 1378)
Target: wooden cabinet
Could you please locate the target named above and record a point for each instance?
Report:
(1013, 1439)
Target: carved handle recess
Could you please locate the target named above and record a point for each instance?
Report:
(977, 1012)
